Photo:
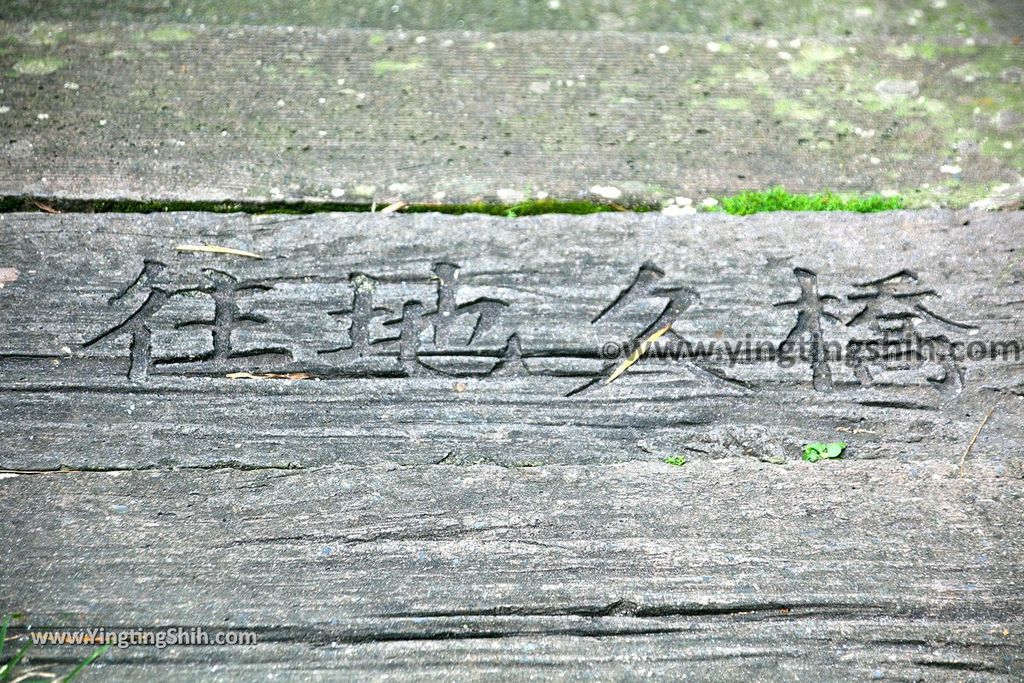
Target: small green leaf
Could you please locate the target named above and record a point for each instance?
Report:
(677, 460)
(834, 450)
(813, 452)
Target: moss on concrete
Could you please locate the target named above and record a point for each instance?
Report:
(38, 66)
(168, 34)
(387, 66)
(777, 199)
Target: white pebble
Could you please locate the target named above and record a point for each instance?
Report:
(951, 169)
(337, 192)
(510, 196)
(606, 191)
(712, 46)
(663, 49)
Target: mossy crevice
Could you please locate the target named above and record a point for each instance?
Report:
(742, 204)
(534, 207)
(777, 199)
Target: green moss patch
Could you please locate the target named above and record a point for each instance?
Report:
(38, 66)
(169, 34)
(777, 199)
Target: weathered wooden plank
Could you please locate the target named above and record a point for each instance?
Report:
(913, 18)
(194, 112)
(528, 385)
(836, 571)
(391, 551)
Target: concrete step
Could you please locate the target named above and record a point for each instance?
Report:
(871, 18)
(198, 112)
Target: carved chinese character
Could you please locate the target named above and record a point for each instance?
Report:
(137, 324)
(453, 327)
(892, 312)
(160, 287)
(645, 286)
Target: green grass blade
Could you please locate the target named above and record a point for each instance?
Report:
(3, 633)
(8, 668)
(97, 653)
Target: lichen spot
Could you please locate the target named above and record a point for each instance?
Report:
(897, 89)
(38, 66)
(168, 34)
(386, 66)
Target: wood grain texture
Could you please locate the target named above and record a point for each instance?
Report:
(506, 396)
(269, 113)
(450, 505)
(727, 570)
